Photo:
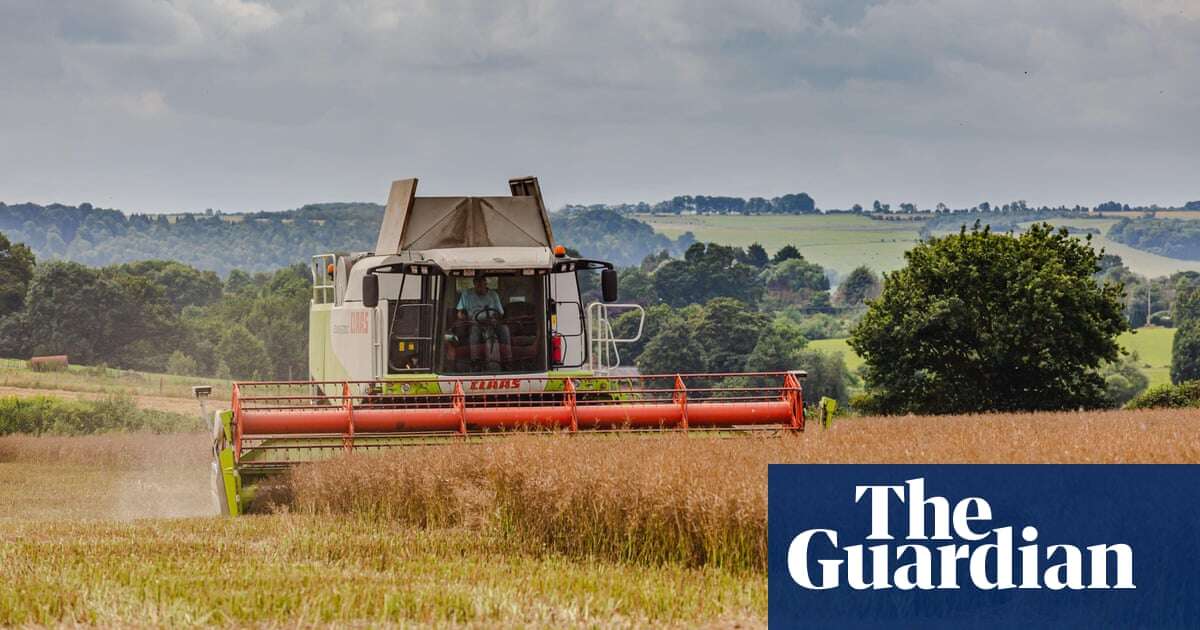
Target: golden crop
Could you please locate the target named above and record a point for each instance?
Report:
(691, 500)
(527, 530)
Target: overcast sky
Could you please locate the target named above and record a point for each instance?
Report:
(169, 105)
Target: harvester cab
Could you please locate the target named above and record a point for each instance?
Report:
(460, 286)
(467, 319)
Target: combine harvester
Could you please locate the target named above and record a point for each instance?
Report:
(468, 319)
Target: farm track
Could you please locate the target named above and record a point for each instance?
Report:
(161, 403)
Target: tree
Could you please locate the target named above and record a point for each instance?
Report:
(1110, 261)
(787, 252)
(816, 325)
(138, 319)
(237, 281)
(673, 350)
(96, 317)
(858, 287)
(706, 271)
(676, 283)
(719, 274)
(1187, 307)
(756, 255)
(827, 375)
(652, 261)
(16, 271)
(781, 348)
(793, 203)
(1184, 281)
(978, 321)
(777, 348)
(182, 285)
(637, 286)
(625, 326)
(182, 364)
(796, 275)
(279, 317)
(727, 329)
(796, 281)
(1185, 353)
(1123, 380)
(243, 354)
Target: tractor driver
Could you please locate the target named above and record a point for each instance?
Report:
(481, 308)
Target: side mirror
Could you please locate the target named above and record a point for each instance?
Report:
(370, 290)
(608, 284)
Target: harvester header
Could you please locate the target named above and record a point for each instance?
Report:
(468, 319)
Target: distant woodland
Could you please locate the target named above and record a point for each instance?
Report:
(251, 242)
(1175, 238)
(267, 241)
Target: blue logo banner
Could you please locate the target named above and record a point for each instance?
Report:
(984, 546)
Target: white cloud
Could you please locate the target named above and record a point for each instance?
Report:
(145, 104)
(247, 16)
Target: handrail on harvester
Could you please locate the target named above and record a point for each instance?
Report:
(296, 410)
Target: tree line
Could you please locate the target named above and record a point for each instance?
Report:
(166, 316)
(214, 242)
(975, 321)
(265, 241)
(803, 203)
(1174, 238)
(784, 282)
(161, 316)
(720, 308)
(791, 203)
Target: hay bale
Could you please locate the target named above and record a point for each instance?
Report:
(54, 363)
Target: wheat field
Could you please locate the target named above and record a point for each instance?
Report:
(527, 530)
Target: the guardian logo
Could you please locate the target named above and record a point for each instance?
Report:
(972, 553)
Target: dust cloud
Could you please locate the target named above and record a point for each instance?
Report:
(110, 477)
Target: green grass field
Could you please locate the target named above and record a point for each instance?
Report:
(839, 242)
(1153, 348)
(853, 361)
(843, 242)
(1152, 345)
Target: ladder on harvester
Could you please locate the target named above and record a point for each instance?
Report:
(603, 355)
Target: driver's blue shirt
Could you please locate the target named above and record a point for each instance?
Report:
(473, 303)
